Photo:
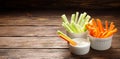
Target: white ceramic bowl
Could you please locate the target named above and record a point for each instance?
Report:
(82, 47)
(100, 43)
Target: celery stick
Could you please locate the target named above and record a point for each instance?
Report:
(63, 24)
(64, 18)
(86, 22)
(67, 27)
(83, 19)
(80, 18)
(72, 18)
(84, 27)
(60, 32)
(74, 26)
(87, 18)
(77, 28)
(76, 17)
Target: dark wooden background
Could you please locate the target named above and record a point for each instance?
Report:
(61, 4)
(31, 34)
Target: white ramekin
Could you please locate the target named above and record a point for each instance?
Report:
(82, 48)
(100, 43)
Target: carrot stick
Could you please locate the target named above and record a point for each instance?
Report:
(106, 25)
(110, 33)
(104, 34)
(98, 31)
(111, 26)
(68, 39)
(94, 22)
(95, 32)
(100, 25)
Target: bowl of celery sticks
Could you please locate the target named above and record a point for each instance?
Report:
(76, 26)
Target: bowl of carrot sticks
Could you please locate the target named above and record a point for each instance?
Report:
(76, 26)
(99, 35)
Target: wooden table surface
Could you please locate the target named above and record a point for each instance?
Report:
(32, 35)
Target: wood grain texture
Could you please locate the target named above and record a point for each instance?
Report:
(29, 30)
(30, 21)
(30, 35)
(41, 42)
(32, 42)
(34, 53)
(56, 54)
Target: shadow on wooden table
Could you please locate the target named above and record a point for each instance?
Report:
(94, 54)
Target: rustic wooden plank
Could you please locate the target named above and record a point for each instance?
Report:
(29, 30)
(34, 53)
(56, 54)
(33, 30)
(30, 20)
(47, 20)
(116, 41)
(32, 42)
(41, 42)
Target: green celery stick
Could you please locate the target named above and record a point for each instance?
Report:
(72, 18)
(67, 27)
(72, 27)
(60, 32)
(87, 18)
(64, 18)
(80, 18)
(76, 17)
(83, 19)
(84, 27)
(77, 28)
(86, 22)
(63, 24)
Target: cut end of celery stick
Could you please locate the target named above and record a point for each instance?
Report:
(72, 18)
(59, 32)
(76, 17)
(64, 18)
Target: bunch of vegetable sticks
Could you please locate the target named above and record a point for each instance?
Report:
(96, 28)
(77, 23)
(66, 38)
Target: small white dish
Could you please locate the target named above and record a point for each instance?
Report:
(100, 43)
(82, 47)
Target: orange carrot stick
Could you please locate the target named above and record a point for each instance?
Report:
(68, 39)
(94, 22)
(111, 26)
(98, 31)
(110, 33)
(104, 34)
(100, 25)
(95, 32)
(106, 25)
